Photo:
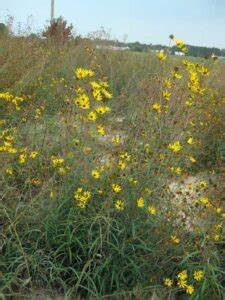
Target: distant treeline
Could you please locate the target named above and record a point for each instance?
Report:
(66, 31)
(193, 50)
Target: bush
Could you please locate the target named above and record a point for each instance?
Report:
(58, 30)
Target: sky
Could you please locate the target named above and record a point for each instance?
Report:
(198, 22)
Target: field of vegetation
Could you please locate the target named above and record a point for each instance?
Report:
(112, 172)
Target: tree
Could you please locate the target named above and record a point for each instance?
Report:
(58, 30)
(3, 29)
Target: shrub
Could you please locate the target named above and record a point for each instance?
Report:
(58, 30)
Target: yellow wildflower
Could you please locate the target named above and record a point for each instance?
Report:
(218, 210)
(101, 130)
(203, 71)
(82, 101)
(9, 171)
(175, 239)
(22, 158)
(182, 283)
(133, 180)
(82, 197)
(192, 159)
(121, 165)
(119, 204)
(95, 174)
(182, 275)
(33, 154)
(140, 202)
(116, 188)
(126, 156)
(76, 142)
(151, 210)
(147, 148)
(12, 150)
(116, 140)
(87, 149)
(168, 282)
(92, 116)
(161, 55)
(157, 107)
(9, 138)
(202, 184)
(83, 73)
(148, 191)
(176, 75)
(190, 289)
(61, 170)
(56, 162)
(102, 109)
(175, 147)
(176, 170)
(190, 141)
(180, 45)
(36, 181)
(198, 275)
(166, 94)
(168, 84)
(100, 191)
(216, 237)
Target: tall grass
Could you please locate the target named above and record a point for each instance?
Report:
(102, 251)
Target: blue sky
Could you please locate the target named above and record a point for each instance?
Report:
(198, 22)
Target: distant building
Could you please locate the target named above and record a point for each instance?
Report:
(114, 48)
(179, 53)
(167, 51)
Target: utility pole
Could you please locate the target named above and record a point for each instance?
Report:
(52, 9)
